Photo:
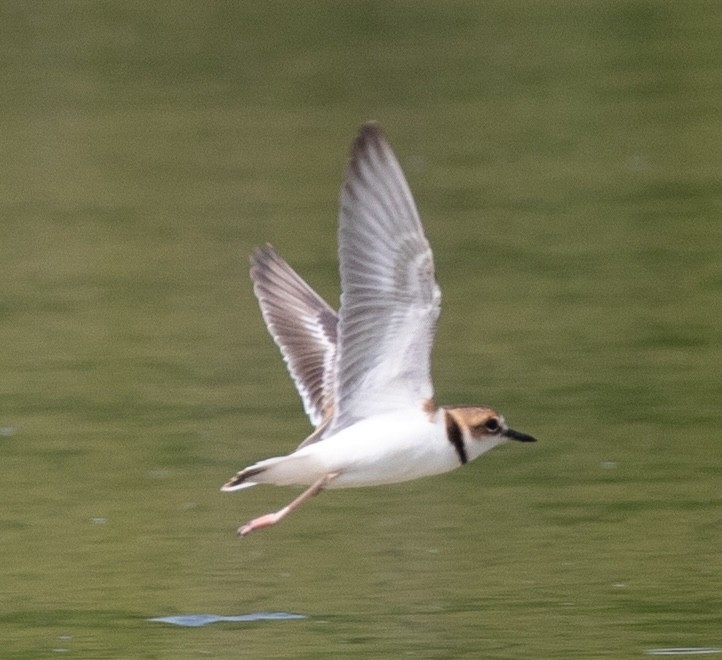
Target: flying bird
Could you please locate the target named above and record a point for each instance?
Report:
(364, 374)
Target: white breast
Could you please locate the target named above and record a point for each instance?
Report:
(385, 449)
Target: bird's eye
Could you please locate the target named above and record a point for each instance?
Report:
(492, 425)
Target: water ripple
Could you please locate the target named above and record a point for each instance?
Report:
(682, 650)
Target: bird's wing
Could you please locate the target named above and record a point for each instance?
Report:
(390, 301)
(304, 328)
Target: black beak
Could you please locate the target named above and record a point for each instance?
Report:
(516, 435)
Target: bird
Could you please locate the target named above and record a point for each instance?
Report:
(363, 374)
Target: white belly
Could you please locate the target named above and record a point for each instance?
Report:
(380, 450)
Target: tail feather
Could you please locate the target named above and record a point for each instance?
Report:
(291, 470)
(240, 481)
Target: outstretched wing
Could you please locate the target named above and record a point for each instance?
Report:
(390, 301)
(304, 328)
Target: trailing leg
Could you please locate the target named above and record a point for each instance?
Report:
(272, 518)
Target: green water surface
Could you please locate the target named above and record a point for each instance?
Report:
(566, 158)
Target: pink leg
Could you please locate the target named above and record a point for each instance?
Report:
(272, 518)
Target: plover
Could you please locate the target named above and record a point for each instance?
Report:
(364, 374)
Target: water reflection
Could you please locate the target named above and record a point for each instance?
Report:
(686, 650)
(197, 620)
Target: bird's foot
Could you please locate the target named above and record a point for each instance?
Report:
(259, 523)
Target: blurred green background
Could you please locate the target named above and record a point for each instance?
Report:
(566, 159)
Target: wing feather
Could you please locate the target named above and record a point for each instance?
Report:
(390, 301)
(303, 327)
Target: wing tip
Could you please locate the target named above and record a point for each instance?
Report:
(262, 253)
(369, 133)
